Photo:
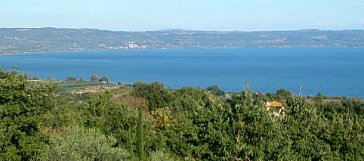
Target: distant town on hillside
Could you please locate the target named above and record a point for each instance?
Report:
(23, 40)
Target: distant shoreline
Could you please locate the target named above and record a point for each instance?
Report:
(35, 40)
(105, 50)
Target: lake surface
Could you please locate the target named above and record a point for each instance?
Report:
(334, 72)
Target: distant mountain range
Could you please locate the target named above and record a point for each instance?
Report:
(22, 40)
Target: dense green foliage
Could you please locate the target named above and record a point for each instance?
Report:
(22, 105)
(156, 123)
(78, 143)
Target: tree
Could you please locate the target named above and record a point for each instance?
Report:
(256, 134)
(140, 134)
(22, 104)
(215, 90)
(283, 94)
(71, 79)
(105, 79)
(94, 78)
(83, 144)
(155, 93)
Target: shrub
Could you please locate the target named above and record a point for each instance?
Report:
(77, 143)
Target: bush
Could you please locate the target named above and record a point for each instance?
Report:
(162, 156)
(77, 143)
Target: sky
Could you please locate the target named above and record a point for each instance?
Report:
(219, 15)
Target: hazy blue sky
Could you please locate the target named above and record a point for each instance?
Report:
(136, 15)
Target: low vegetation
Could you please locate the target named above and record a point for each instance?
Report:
(40, 121)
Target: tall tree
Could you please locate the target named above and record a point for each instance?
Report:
(140, 134)
(22, 103)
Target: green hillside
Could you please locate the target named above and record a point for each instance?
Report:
(40, 120)
(19, 40)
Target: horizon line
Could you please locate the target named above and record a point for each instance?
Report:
(273, 30)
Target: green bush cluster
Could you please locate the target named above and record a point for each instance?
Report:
(157, 123)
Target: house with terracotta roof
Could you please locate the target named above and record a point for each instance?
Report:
(276, 107)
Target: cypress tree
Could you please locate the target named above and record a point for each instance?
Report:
(140, 138)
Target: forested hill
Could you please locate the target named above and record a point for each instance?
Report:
(19, 40)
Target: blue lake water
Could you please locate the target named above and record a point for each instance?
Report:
(334, 72)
